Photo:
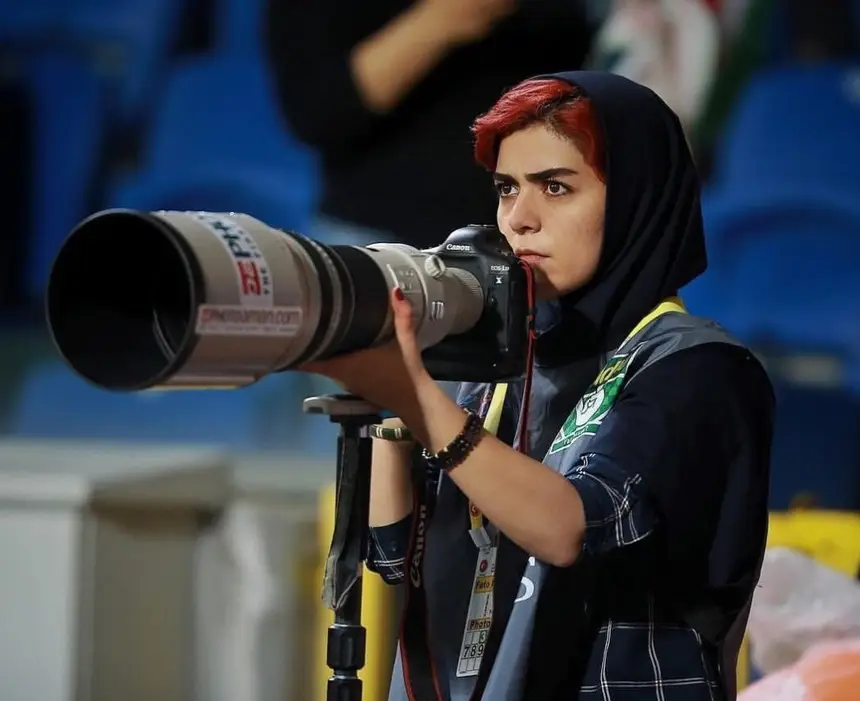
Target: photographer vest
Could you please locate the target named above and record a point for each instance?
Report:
(440, 613)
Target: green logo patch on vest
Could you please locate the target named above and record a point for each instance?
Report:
(596, 403)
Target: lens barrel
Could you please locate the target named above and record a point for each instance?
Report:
(138, 300)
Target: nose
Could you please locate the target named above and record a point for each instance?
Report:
(523, 217)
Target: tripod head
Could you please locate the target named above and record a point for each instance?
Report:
(342, 407)
(345, 650)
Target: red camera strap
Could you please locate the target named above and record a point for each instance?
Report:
(420, 673)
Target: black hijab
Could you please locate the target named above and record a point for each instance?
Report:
(653, 240)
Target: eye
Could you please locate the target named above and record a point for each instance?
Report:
(505, 189)
(555, 188)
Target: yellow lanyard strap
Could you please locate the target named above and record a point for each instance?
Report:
(494, 413)
(491, 426)
(670, 304)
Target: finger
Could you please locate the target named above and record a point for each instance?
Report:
(404, 324)
(404, 329)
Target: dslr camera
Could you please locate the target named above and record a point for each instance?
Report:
(140, 300)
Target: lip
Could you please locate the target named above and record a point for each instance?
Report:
(527, 252)
(528, 256)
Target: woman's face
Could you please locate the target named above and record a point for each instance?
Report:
(551, 208)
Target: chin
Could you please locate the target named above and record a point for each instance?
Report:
(545, 292)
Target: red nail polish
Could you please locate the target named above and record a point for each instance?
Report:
(398, 294)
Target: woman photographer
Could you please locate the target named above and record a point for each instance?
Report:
(613, 551)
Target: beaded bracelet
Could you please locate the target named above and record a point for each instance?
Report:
(458, 449)
(395, 434)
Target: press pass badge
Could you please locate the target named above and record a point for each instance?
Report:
(480, 614)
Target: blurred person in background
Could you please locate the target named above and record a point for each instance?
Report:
(385, 91)
(698, 54)
(670, 46)
(604, 543)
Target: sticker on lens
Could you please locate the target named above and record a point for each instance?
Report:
(253, 274)
(238, 320)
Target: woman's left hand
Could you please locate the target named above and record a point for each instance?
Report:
(389, 376)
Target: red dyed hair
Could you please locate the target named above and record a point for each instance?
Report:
(554, 103)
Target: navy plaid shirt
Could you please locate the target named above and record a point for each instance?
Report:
(680, 478)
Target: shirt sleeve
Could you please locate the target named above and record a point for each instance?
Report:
(387, 550)
(617, 512)
(312, 75)
(663, 456)
(388, 546)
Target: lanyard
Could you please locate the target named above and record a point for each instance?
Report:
(491, 425)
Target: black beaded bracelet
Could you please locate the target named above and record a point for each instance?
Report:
(458, 449)
(395, 434)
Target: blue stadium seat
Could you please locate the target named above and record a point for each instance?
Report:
(34, 22)
(239, 26)
(219, 143)
(800, 289)
(790, 149)
(55, 403)
(130, 43)
(787, 280)
(69, 128)
(816, 447)
(803, 120)
(794, 136)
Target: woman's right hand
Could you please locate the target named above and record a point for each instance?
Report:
(467, 21)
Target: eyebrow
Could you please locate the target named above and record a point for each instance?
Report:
(539, 177)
